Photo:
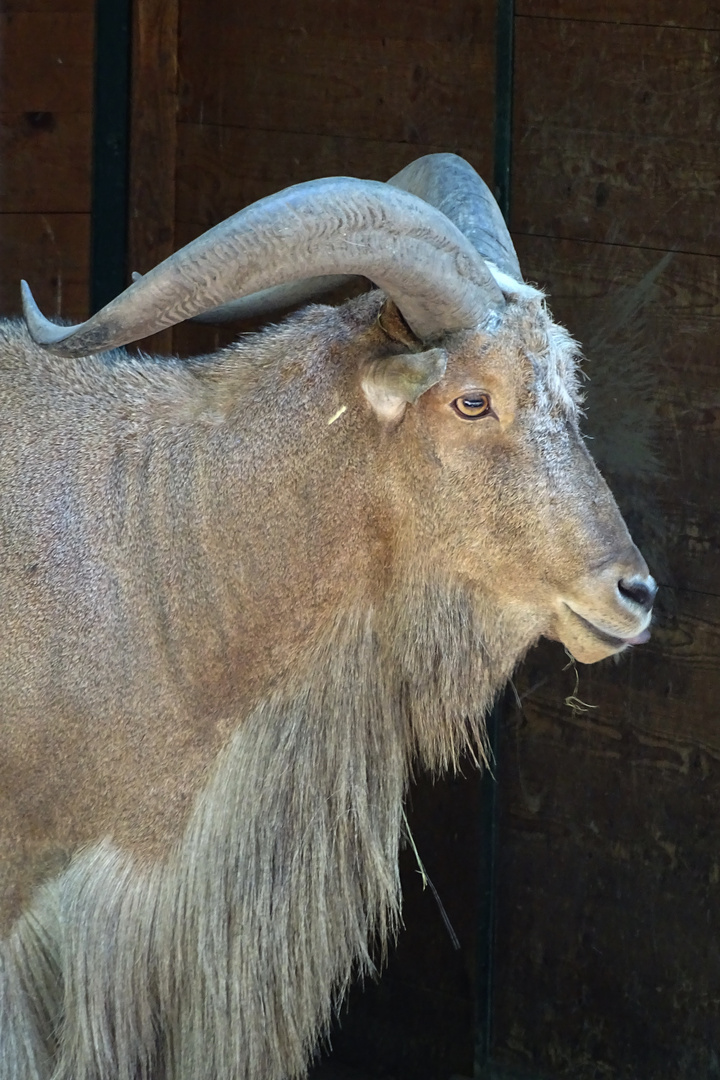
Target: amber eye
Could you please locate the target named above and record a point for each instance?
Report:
(473, 406)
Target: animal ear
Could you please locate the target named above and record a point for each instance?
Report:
(395, 382)
(391, 322)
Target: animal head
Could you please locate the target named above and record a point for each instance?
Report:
(460, 392)
(511, 499)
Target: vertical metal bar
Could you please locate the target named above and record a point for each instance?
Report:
(504, 103)
(486, 914)
(485, 974)
(108, 242)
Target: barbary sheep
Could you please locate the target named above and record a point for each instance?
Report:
(242, 595)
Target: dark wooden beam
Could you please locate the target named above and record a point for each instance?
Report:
(108, 244)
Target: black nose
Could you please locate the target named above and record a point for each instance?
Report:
(641, 591)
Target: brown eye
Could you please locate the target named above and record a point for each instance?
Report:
(473, 406)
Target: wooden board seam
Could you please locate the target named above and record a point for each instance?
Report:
(614, 22)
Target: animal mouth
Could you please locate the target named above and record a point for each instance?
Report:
(612, 640)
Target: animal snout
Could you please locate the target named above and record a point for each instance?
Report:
(638, 590)
(610, 610)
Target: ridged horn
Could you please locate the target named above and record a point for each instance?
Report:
(279, 299)
(338, 225)
(451, 185)
(447, 182)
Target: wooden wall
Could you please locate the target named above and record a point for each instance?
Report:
(46, 85)
(608, 948)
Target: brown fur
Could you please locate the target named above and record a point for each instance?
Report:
(235, 615)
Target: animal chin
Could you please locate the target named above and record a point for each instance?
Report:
(589, 642)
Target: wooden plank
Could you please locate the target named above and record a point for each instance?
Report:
(221, 169)
(618, 78)
(47, 64)
(428, 93)
(692, 530)
(45, 163)
(51, 251)
(471, 21)
(581, 273)
(615, 132)
(153, 132)
(701, 14)
(609, 875)
(153, 141)
(311, 89)
(46, 82)
(678, 536)
(12, 7)
(658, 193)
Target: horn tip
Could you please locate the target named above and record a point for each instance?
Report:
(42, 331)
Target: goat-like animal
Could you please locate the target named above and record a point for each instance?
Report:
(243, 594)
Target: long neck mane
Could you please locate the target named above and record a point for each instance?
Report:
(228, 959)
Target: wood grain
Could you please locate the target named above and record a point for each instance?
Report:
(45, 163)
(609, 875)
(47, 63)
(51, 251)
(46, 85)
(420, 92)
(424, 20)
(153, 133)
(45, 112)
(699, 14)
(615, 124)
(153, 142)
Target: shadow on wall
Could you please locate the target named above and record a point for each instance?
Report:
(624, 345)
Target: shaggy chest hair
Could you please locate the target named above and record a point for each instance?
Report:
(228, 959)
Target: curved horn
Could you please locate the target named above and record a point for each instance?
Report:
(339, 225)
(447, 182)
(450, 183)
(280, 299)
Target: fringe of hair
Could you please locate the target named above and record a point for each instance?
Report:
(229, 958)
